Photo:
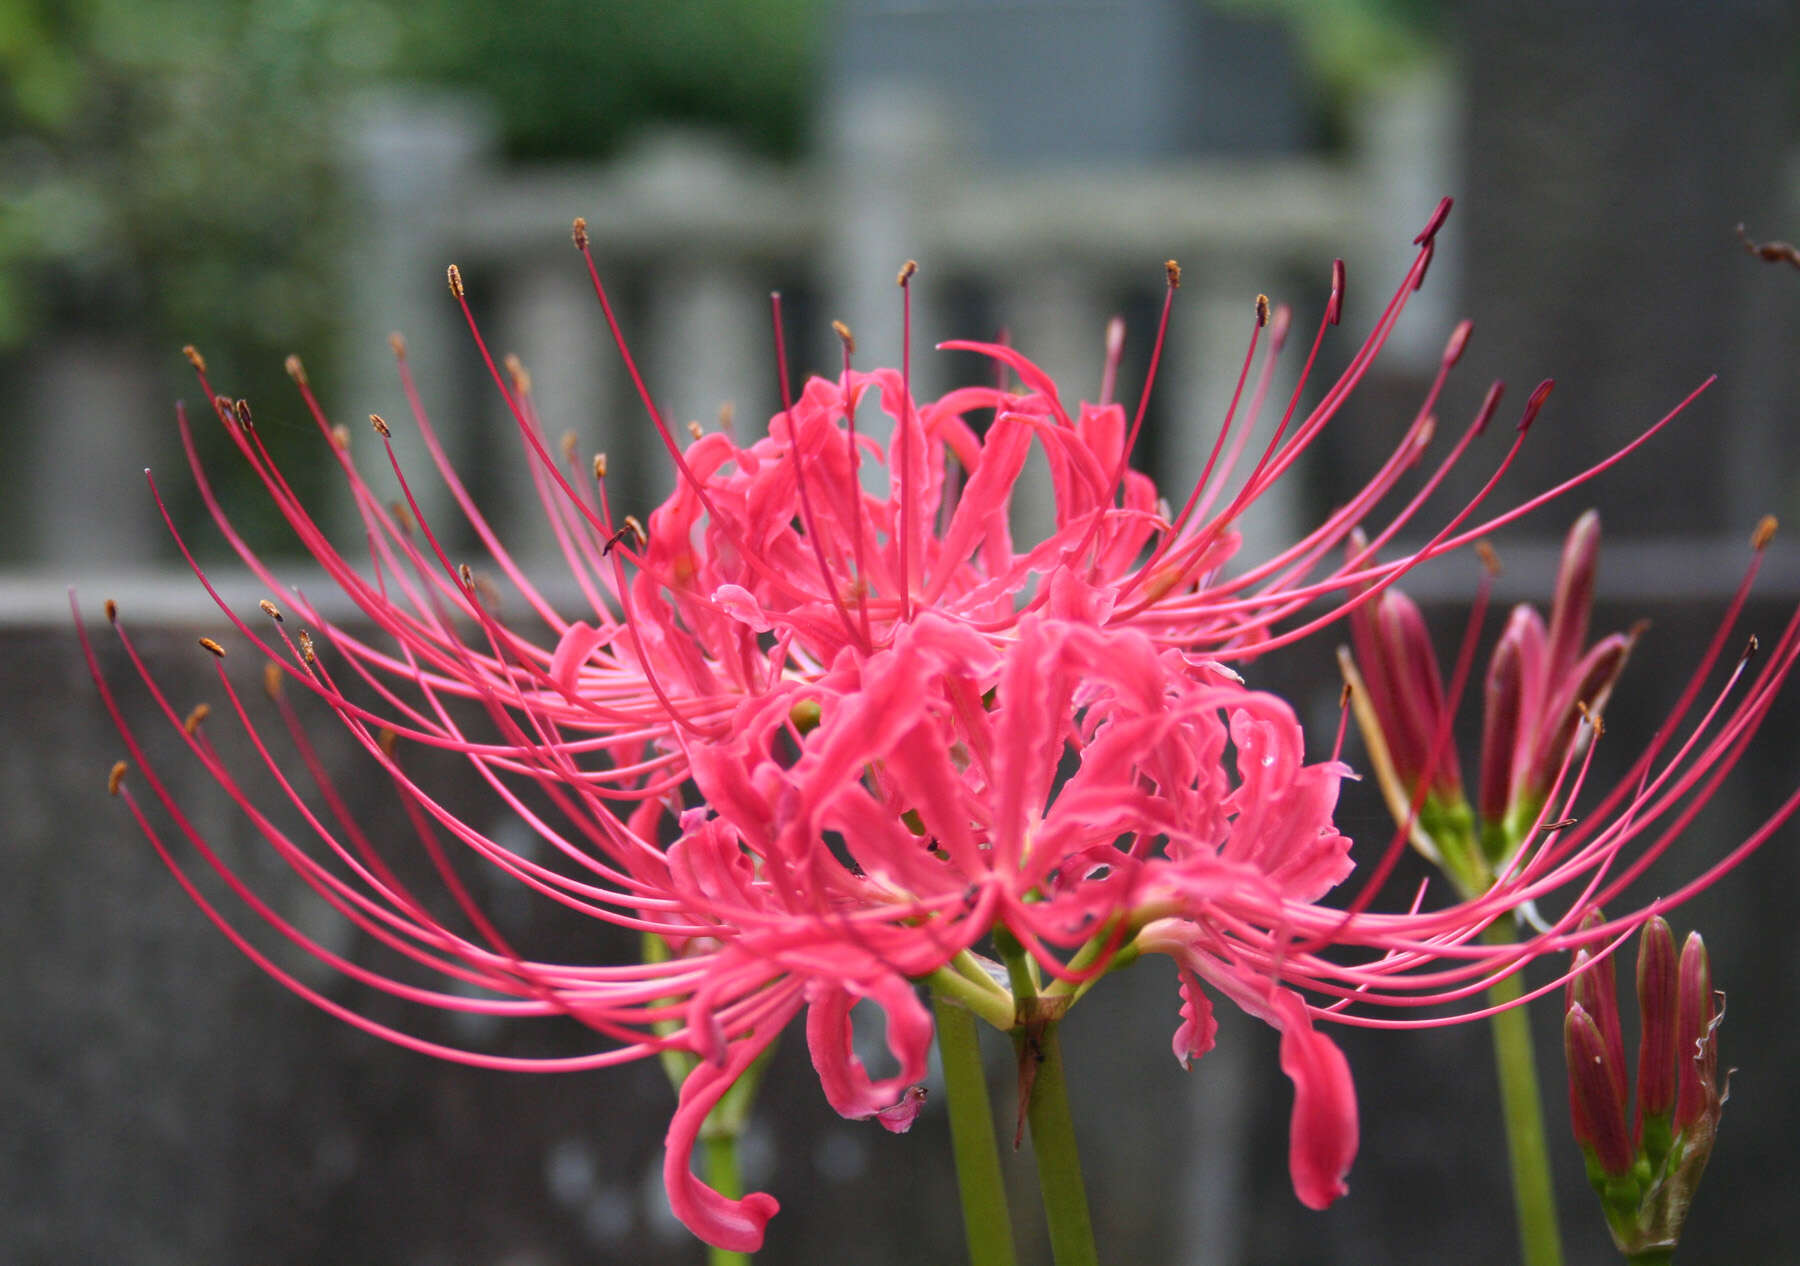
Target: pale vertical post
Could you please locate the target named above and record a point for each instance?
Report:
(892, 155)
(1056, 318)
(708, 344)
(552, 321)
(1408, 133)
(412, 159)
(1215, 313)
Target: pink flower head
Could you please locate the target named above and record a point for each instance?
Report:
(820, 739)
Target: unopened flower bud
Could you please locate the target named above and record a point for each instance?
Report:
(1503, 718)
(1656, 990)
(1574, 600)
(1580, 691)
(1400, 669)
(1646, 1178)
(1695, 1023)
(1594, 1099)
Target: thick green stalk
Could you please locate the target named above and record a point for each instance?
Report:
(720, 1152)
(984, 998)
(1521, 1101)
(1058, 1164)
(987, 1224)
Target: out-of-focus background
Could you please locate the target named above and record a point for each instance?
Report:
(260, 177)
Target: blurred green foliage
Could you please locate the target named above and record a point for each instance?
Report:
(169, 165)
(1350, 45)
(175, 170)
(575, 78)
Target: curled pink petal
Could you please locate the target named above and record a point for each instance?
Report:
(572, 650)
(847, 1084)
(730, 1224)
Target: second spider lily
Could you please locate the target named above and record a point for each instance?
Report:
(1542, 682)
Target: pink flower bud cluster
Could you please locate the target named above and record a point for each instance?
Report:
(1645, 1159)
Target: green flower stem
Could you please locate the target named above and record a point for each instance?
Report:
(1124, 952)
(969, 966)
(987, 1224)
(1021, 968)
(992, 1003)
(1058, 1165)
(720, 1153)
(1534, 1203)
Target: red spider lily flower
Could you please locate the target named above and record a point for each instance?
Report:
(822, 741)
